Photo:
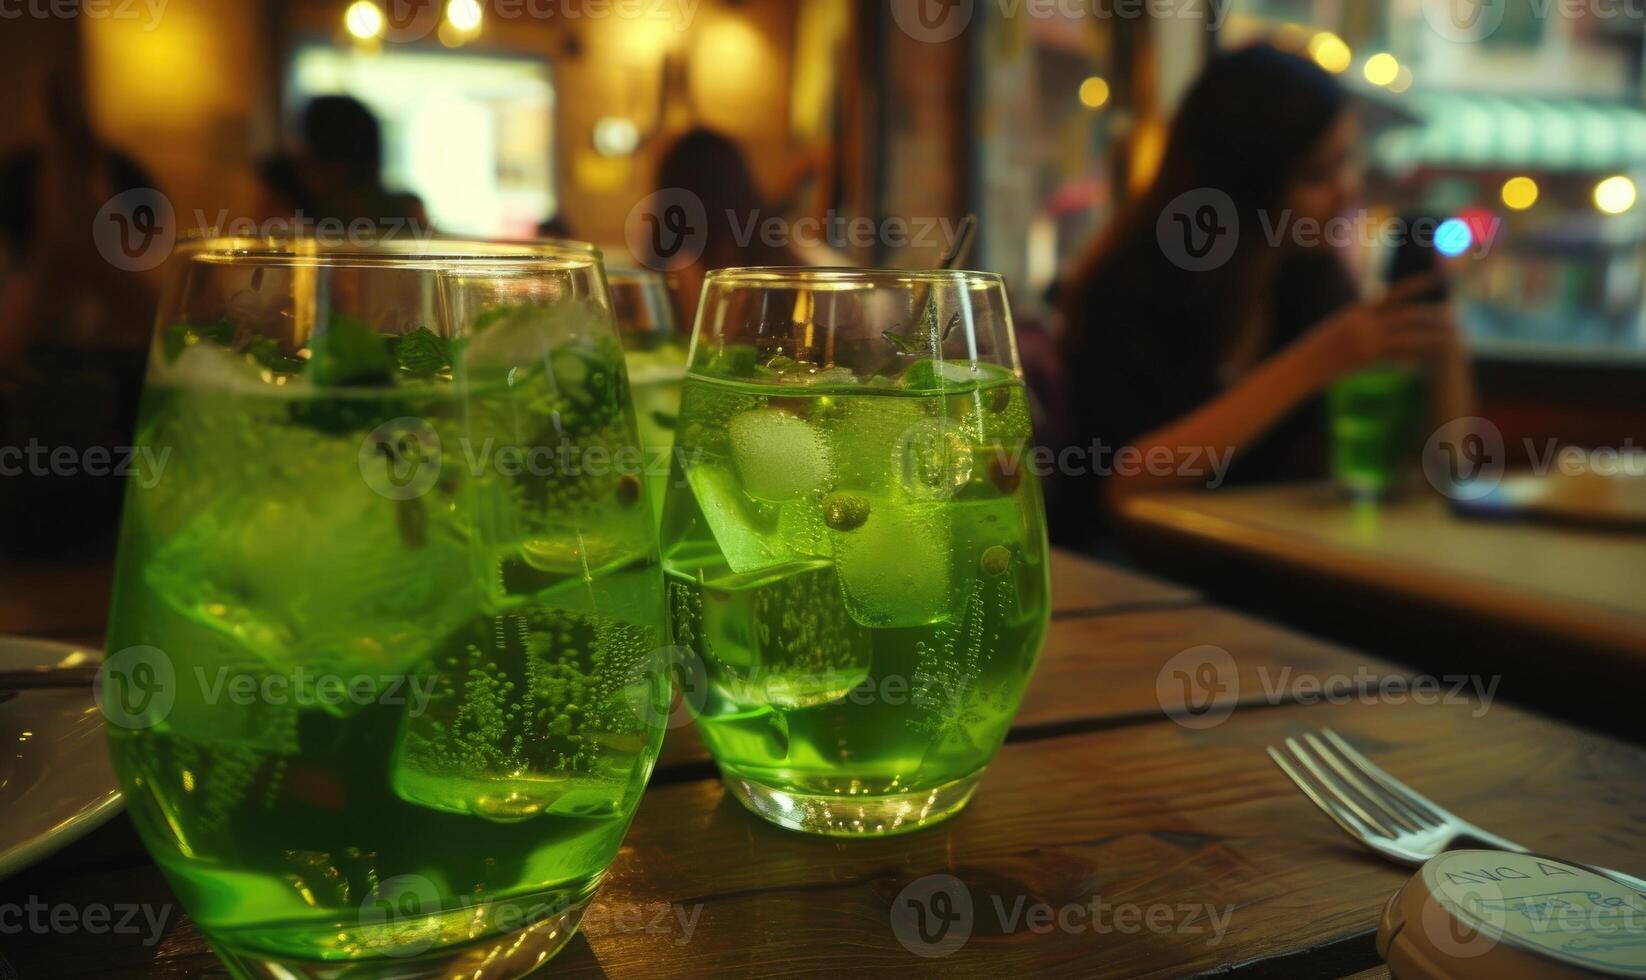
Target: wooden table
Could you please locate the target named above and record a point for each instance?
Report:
(1099, 800)
(1588, 584)
(1560, 612)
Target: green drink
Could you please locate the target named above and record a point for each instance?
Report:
(384, 694)
(657, 365)
(655, 378)
(1376, 427)
(856, 563)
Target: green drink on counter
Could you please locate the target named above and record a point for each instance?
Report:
(1376, 419)
(855, 551)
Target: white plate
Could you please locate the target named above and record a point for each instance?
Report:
(56, 782)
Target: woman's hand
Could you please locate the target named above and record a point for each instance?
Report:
(1394, 327)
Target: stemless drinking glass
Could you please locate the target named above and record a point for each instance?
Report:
(385, 673)
(657, 365)
(854, 547)
(1377, 429)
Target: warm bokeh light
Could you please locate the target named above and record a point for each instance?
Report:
(1381, 68)
(1402, 80)
(1330, 52)
(463, 15)
(744, 61)
(1148, 146)
(1094, 93)
(1519, 193)
(616, 136)
(363, 19)
(1615, 195)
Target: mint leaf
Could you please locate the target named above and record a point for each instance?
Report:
(347, 352)
(423, 353)
(266, 353)
(173, 340)
(220, 333)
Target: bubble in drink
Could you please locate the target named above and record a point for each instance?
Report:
(779, 638)
(526, 713)
(936, 459)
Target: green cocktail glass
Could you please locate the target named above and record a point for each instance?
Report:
(657, 366)
(854, 545)
(1376, 418)
(385, 677)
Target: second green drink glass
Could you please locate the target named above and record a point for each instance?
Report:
(855, 548)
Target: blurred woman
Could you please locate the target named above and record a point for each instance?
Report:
(713, 167)
(73, 330)
(338, 174)
(1171, 352)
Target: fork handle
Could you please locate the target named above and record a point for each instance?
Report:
(1493, 841)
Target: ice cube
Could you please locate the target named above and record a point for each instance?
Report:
(326, 580)
(780, 637)
(208, 658)
(864, 435)
(205, 366)
(778, 455)
(746, 530)
(525, 339)
(895, 567)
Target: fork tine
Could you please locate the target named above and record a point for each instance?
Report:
(1391, 806)
(1420, 804)
(1343, 818)
(1336, 789)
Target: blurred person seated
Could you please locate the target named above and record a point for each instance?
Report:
(1231, 360)
(337, 174)
(557, 228)
(56, 289)
(713, 167)
(73, 331)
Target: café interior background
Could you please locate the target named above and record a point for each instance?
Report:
(1041, 117)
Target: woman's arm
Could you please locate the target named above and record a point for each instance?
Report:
(1358, 336)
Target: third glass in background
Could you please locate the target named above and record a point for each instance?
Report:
(855, 553)
(656, 358)
(1377, 420)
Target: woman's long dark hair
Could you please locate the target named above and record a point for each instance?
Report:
(1144, 337)
(1243, 129)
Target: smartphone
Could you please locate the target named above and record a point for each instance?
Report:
(1416, 255)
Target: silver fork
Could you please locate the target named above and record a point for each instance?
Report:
(1382, 812)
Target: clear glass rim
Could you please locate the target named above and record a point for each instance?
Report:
(849, 276)
(434, 252)
(625, 272)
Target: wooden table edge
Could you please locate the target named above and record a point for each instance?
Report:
(1600, 626)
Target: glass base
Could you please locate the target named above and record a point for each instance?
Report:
(500, 957)
(841, 815)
